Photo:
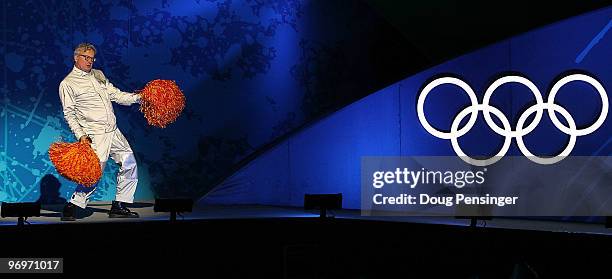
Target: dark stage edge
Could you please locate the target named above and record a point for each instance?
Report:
(251, 241)
(97, 212)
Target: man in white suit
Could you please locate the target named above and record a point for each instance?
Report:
(86, 96)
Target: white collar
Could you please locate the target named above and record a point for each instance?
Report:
(80, 72)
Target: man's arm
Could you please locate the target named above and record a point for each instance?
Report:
(67, 98)
(116, 95)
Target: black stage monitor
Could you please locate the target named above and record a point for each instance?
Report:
(20, 210)
(173, 206)
(323, 202)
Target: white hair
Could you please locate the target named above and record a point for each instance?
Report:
(84, 47)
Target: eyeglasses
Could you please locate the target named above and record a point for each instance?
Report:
(88, 58)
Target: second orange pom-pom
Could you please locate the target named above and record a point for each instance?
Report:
(162, 102)
(76, 161)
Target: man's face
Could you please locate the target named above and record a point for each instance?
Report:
(84, 60)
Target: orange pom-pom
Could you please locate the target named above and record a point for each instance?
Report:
(76, 162)
(162, 102)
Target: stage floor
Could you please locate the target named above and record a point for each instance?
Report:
(97, 212)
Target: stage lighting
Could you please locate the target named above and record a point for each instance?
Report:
(20, 210)
(173, 206)
(323, 202)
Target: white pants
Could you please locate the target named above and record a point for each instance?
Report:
(115, 145)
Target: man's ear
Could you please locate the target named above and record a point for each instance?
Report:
(75, 59)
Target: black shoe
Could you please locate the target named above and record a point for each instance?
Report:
(69, 212)
(118, 210)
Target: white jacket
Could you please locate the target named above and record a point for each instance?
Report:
(86, 101)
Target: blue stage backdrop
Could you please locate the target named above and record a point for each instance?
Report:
(251, 71)
(326, 156)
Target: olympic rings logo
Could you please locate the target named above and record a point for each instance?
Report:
(507, 131)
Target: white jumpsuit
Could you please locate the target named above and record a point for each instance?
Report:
(86, 101)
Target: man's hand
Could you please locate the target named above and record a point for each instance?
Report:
(85, 138)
